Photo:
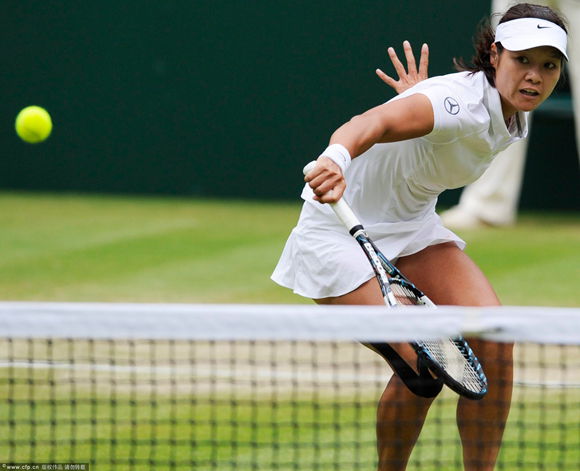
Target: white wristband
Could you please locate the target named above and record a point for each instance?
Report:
(339, 155)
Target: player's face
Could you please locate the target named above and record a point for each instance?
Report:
(524, 79)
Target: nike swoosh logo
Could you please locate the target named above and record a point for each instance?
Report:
(542, 27)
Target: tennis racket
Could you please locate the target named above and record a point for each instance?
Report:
(451, 360)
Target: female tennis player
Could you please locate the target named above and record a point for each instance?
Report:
(390, 164)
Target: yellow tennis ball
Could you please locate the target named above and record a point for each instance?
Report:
(33, 124)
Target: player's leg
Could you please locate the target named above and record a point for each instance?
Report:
(448, 276)
(481, 423)
(401, 414)
(400, 418)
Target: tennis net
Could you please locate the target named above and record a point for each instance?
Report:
(208, 387)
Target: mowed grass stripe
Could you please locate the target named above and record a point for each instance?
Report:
(139, 249)
(130, 249)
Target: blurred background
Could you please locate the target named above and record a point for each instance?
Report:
(228, 98)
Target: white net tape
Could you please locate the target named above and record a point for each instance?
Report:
(280, 322)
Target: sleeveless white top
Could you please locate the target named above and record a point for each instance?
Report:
(393, 188)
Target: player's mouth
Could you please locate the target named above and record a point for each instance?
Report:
(529, 92)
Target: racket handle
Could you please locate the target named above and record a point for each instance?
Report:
(345, 214)
(340, 208)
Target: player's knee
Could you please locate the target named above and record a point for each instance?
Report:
(418, 380)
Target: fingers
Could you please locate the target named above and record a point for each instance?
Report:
(326, 181)
(424, 62)
(411, 64)
(323, 185)
(391, 82)
(397, 64)
(333, 195)
(410, 76)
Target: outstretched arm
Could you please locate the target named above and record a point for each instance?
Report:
(411, 76)
(397, 120)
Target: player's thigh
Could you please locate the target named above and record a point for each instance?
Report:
(448, 276)
(368, 293)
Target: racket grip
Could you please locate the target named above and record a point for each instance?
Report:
(345, 214)
(340, 208)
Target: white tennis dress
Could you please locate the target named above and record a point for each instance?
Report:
(393, 188)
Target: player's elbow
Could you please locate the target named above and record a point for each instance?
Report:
(372, 124)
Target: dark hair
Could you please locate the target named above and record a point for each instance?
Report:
(485, 37)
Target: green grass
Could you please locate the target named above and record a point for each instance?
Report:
(97, 248)
(94, 248)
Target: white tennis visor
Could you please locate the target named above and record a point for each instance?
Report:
(527, 33)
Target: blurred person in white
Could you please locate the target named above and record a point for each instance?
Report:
(493, 199)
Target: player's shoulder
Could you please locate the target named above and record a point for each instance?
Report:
(460, 104)
(461, 95)
(469, 88)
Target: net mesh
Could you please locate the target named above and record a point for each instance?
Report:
(264, 387)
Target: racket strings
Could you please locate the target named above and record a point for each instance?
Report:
(454, 356)
(454, 359)
(404, 295)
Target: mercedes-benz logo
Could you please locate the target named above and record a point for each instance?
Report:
(451, 105)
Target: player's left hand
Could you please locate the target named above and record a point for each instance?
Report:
(411, 76)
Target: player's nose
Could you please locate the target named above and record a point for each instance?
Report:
(533, 75)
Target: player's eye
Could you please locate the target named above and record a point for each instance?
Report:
(522, 59)
(550, 66)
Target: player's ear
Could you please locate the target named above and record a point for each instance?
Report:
(493, 55)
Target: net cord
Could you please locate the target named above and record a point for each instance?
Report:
(286, 322)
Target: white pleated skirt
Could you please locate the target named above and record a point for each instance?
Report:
(321, 259)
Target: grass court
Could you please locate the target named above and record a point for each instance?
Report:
(178, 250)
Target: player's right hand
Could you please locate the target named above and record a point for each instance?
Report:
(326, 180)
